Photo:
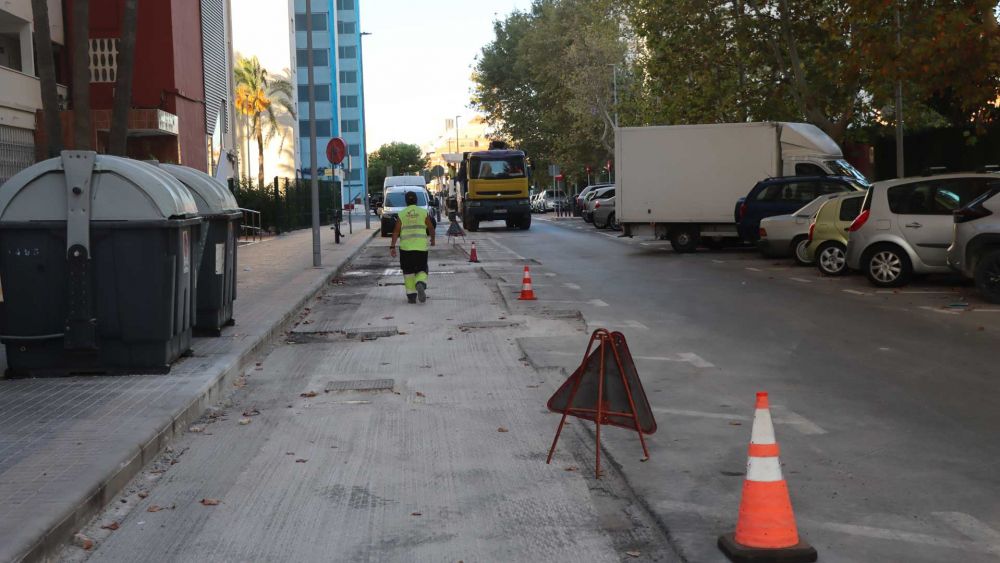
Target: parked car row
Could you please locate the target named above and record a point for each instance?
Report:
(890, 232)
(547, 200)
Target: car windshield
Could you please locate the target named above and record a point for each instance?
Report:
(496, 168)
(398, 199)
(843, 168)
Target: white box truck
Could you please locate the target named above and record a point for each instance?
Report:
(682, 182)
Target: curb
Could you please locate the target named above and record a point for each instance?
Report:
(46, 546)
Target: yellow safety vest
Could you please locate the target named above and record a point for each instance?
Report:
(413, 234)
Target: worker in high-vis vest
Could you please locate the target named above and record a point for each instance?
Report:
(412, 229)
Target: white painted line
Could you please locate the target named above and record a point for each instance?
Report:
(849, 529)
(571, 286)
(695, 360)
(970, 527)
(802, 280)
(799, 424)
(719, 261)
(986, 310)
(917, 292)
(855, 292)
(942, 311)
(636, 325)
(796, 421)
(597, 303)
(755, 269)
(700, 414)
(684, 357)
(643, 244)
(551, 274)
(509, 251)
(392, 272)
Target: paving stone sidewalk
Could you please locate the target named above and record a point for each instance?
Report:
(68, 445)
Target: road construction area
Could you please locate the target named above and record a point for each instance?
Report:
(380, 430)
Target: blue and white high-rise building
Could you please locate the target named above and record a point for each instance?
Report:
(339, 85)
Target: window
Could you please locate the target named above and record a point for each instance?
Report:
(397, 198)
(349, 126)
(321, 57)
(322, 128)
(850, 208)
(496, 168)
(322, 92)
(354, 150)
(345, 4)
(605, 195)
(348, 52)
(348, 101)
(808, 169)
(353, 176)
(348, 76)
(318, 22)
(10, 51)
(346, 28)
(827, 188)
(938, 197)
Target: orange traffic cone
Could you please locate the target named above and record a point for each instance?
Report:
(527, 294)
(765, 529)
(473, 257)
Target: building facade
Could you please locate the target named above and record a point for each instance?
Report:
(447, 148)
(20, 91)
(339, 89)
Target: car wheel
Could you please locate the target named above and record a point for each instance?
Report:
(600, 225)
(588, 218)
(988, 276)
(831, 259)
(800, 251)
(684, 240)
(887, 266)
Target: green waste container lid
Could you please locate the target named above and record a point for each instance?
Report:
(122, 189)
(212, 196)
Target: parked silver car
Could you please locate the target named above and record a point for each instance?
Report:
(604, 214)
(975, 250)
(788, 235)
(592, 198)
(905, 226)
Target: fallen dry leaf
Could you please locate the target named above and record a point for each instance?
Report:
(734, 423)
(308, 394)
(244, 421)
(143, 494)
(251, 412)
(633, 553)
(210, 501)
(196, 429)
(502, 429)
(83, 542)
(300, 460)
(416, 514)
(154, 508)
(419, 394)
(112, 526)
(387, 318)
(572, 468)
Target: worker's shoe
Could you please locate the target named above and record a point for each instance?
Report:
(421, 292)
(411, 298)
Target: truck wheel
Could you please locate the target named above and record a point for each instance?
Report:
(510, 223)
(471, 224)
(988, 276)
(525, 223)
(684, 240)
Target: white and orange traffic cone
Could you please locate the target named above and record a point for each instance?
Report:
(765, 529)
(473, 257)
(527, 294)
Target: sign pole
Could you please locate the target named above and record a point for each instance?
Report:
(313, 180)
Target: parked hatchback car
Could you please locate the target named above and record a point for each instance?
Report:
(596, 196)
(975, 250)
(604, 213)
(781, 196)
(580, 201)
(828, 233)
(788, 235)
(906, 225)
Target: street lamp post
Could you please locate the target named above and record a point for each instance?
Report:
(458, 147)
(899, 100)
(313, 180)
(614, 79)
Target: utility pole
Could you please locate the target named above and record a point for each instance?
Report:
(614, 79)
(458, 148)
(313, 180)
(899, 97)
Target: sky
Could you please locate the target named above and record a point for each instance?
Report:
(418, 63)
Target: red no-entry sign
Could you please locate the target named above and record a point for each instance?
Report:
(336, 150)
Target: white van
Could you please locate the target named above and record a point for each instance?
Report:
(394, 199)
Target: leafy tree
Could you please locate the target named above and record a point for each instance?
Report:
(404, 159)
(47, 76)
(257, 93)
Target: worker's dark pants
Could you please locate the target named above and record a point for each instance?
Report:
(414, 266)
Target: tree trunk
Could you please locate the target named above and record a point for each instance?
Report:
(260, 153)
(117, 141)
(83, 134)
(47, 75)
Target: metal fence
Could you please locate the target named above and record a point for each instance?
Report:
(17, 150)
(286, 203)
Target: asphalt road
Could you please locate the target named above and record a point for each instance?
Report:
(886, 402)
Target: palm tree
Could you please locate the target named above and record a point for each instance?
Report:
(117, 141)
(83, 133)
(257, 92)
(47, 76)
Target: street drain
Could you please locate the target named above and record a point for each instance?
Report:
(488, 324)
(361, 385)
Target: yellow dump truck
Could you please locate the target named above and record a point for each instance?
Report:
(494, 187)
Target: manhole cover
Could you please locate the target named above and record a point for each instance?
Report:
(488, 324)
(361, 385)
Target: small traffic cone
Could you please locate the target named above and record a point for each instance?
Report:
(527, 294)
(473, 257)
(765, 529)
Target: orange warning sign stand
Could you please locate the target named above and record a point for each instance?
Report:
(605, 389)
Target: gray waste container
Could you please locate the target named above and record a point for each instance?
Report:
(97, 267)
(217, 271)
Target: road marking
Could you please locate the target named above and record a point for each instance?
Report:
(796, 421)
(643, 244)
(695, 360)
(854, 292)
(849, 529)
(509, 251)
(755, 269)
(972, 528)
(630, 324)
(719, 261)
(802, 280)
(551, 274)
(571, 286)
(942, 311)
(986, 310)
(392, 272)
(684, 357)
(917, 292)
(700, 414)
(597, 303)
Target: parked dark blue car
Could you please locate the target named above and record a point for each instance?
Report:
(781, 196)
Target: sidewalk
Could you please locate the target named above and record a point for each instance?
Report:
(68, 445)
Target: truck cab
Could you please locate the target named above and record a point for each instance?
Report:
(494, 187)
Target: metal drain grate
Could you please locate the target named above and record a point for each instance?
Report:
(361, 385)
